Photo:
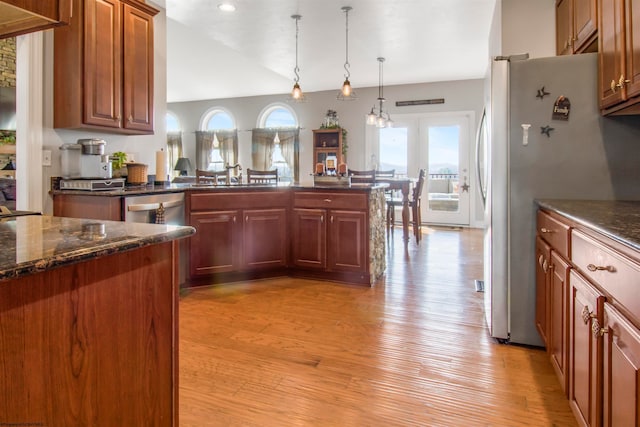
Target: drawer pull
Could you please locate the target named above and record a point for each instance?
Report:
(587, 314)
(327, 200)
(597, 330)
(609, 268)
(547, 230)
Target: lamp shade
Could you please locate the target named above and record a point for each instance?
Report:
(183, 165)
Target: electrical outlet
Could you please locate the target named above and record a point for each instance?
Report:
(46, 158)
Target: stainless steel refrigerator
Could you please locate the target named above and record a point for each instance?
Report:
(584, 157)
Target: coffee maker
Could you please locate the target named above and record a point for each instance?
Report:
(85, 160)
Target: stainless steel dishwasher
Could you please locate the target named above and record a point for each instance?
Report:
(165, 208)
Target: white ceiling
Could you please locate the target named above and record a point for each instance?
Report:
(213, 54)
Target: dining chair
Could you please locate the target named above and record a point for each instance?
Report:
(414, 205)
(212, 177)
(391, 173)
(262, 177)
(362, 176)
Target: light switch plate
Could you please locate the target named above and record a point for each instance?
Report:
(46, 157)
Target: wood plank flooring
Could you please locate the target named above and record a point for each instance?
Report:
(411, 351)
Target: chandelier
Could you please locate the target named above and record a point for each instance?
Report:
(296, 92)
(346, 92)
(380, 118)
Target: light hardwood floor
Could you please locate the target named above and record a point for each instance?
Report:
(411, 351)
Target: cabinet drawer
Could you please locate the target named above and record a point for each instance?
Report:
(315, 200)
(616, 274)
(554, 232)
(207, 201)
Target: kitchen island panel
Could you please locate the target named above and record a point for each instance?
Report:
(92, 343)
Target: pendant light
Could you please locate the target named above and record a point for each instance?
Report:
(380, 118)
(346, 92)
(296, 92)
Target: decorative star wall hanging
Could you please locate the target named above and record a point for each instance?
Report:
(546, 130)
(542, 93)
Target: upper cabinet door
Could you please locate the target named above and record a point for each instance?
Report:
(585, 24)
(138, 73)
(611, 52)
(103, 63)
(564, 29)
(632, 47)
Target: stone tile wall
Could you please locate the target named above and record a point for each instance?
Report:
(8, 62)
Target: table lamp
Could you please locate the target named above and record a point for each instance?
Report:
(183, 165)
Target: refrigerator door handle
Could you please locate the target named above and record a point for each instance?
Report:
(483, 122)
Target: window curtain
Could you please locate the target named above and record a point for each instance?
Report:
(228, 140)
(262, 148)
(174, 150)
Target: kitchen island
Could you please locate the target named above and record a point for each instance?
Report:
(88, 322)
(249, 231)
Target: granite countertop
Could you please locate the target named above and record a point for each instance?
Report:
(36, 243)
(618, 220)
(177, 188)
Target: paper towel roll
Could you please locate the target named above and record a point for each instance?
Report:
(161, 166)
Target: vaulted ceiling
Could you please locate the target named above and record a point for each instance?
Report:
(214, 54)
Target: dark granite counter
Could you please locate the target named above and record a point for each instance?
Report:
(176, 188)
(618, 220)
(36, 243)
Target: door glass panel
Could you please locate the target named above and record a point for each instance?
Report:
(443, 169)
(393, 150)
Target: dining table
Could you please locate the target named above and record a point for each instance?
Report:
(404, 185)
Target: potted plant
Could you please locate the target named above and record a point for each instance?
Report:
(118, 160)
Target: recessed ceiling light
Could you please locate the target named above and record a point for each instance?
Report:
(227, 7)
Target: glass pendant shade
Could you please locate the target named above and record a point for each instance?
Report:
(371, 117)
(296, 93)
(382, 118)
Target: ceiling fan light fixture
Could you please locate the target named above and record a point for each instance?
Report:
(346, 92)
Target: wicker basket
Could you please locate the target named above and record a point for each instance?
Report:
(137, 173)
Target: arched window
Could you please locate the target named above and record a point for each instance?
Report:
(275, 143)
(278, 116)
(217, 140)
(174, 142)
(217, 118)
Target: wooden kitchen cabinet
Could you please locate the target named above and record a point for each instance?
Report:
(327, 142)
(237, 232)
(330, 233)
(603, 320)
(543, 278)
(576, 26)
(619, 60)
(103, 68)
(558, 316)
(621, 370)
(585, 358)
(26, 16)
(86, 206)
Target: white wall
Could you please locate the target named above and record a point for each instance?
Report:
(529, 26)
(459, 96)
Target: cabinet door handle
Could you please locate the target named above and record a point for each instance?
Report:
(331, 219)
(545, 266)
(597, 330)
(130, 119)
(587, 314)
(609, 268)
(622, 81)
(547, 230)
(540, 260)
(246, 218)
(234, 218)
(613, 86)
(321, 218)
(327, 200)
